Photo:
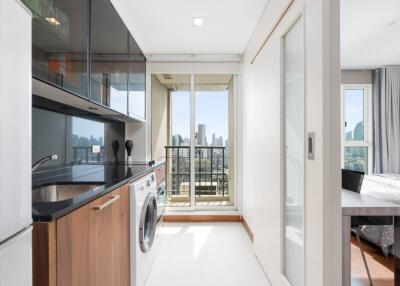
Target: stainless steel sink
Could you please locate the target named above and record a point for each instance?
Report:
(60, 191)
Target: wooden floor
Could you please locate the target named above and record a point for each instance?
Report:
(381, 268)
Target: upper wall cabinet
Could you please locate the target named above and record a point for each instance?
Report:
(109, 57)
(84, 48)
(137, 81)
(59, 43)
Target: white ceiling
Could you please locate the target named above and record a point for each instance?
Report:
(165, 26)
(368, 35)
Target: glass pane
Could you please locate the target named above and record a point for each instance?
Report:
(293, 214)
(85, 134)
(214, 97)
(178, 153)
(137, 81)
(59, 49)
(354, 114)
(109, 57)
(356, 158)
(70, 137)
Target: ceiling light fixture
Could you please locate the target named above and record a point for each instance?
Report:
(53, 21)
(198, 22)
(391, 23)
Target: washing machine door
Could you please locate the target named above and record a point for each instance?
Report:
(148, 223)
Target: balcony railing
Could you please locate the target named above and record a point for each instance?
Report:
(211, 173)
(83, 154)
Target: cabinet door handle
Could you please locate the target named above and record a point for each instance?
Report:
(109, 202)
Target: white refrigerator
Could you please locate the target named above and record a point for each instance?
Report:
(15, 145)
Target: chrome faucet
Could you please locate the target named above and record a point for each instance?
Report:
(41, 161)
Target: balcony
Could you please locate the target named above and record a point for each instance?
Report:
(211, 179)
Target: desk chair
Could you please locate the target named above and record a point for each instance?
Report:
(352, 181)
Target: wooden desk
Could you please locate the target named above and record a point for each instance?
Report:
(355, 204)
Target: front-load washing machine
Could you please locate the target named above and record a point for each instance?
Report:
(143, 227)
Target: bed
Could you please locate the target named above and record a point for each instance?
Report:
(385, 187)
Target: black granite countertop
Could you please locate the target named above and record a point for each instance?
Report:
(108, 175)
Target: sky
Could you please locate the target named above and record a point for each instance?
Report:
(211, 110)
(354, 108)
(86, 128)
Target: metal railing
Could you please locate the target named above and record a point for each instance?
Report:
(83, 154)
(211, 171)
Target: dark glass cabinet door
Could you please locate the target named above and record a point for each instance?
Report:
(59, 43)
(109, 57)
(137, 81)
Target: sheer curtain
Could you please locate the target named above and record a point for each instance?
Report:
(386, 120)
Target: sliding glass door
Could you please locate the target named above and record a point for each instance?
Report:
(200, 151)
(213, 95)
(179, 149)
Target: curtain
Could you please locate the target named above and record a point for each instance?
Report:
(386, 120)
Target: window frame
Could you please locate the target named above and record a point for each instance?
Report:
(367, 142)
(234, 143)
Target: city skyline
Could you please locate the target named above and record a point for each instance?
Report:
(211, 111)
(201, 139)
(354, 114)
(82, 141)
(87, 128)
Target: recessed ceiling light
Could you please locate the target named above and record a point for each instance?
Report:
(93, 108)
(198, 22)
(391, 23)
(53, 21)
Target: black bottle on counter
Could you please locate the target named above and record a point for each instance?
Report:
(129, 148)
(115, 148)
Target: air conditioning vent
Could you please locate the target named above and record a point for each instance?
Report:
(167, 76)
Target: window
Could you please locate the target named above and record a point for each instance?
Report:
(356, 128)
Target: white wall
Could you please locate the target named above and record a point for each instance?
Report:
(159, 118)
(187, 67)
(137, 132)
(356, 76)
(262, 145)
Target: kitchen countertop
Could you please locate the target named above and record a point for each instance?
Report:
(111, 175)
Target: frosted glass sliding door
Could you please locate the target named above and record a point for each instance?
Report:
(294, 155)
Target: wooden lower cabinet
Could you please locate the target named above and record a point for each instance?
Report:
(92, 244)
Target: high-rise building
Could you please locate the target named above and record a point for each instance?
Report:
(176, 140)
(201, 135)
(219, 142)
(186, 142)
(213, 140)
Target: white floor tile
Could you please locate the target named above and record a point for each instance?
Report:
(175, 266)
(205, 254)
(234, 267)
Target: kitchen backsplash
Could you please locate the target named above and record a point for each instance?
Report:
(72, 137)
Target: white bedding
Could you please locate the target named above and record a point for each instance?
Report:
(385, 187)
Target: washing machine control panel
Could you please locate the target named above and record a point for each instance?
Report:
(148, 182)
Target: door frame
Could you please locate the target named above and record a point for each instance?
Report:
(235, 161)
